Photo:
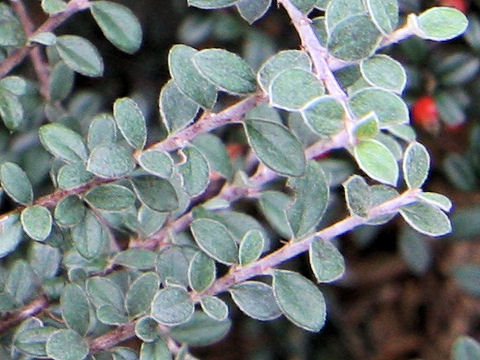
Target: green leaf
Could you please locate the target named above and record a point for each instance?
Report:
(201, 272)
(201, 330)
(150, 220)
(376, 161)
(66, 345)
(276, 147)
(140, 294)
(176, 109)
(358, 196)
(437, 200)
(274, 206)
(441, 23)
(110, 197)
(389, 108)
(61, 81)
(326, 261)
(304, 6)
(338, 10)
(381, 194)
(124, 353)
(211, 4)
(251, 247)
(16, 183)
(157, 350)
(32, 341)
(279, 62)
(63, 142)
(44, 38)
(416, 164)
(118, 24)
(15, 84)
(324, 115)
(225, 70)
(188, 79)
(110, 161)
(367, 127)
(311, 200)
(102, 130)
(299, 299)
(11, 233)
(44, 260)
(215, 152)
(75, 308)
(71, 176)
(172, 306)
(53, 6)
(465, 348)
(293, 88)
(146, 329)
(131, 122)
(214, 307)
(37, 222)
(252, 10)
(11, 30)
(172, 264)
(354, 38)
(384, 14)
(157, 163)
(21, 282)
(103, 291)
(89, 236)
(195, 171)
(256, 300)
(80, 55)
(384, 72)
(426, 219)
(11, 109)
(140, 259)
(109, 315)
(214, 238)
(156, 193)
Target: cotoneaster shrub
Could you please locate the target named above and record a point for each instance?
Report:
(141, 236)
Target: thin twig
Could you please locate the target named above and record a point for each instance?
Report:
(32, 309)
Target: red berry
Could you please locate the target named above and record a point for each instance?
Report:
(425, 113)
(461, 5)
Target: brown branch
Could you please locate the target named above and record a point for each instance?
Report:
(52, 23)
(32, 309)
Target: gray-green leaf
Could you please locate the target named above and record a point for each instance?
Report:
(131, 122)
(466, 348)
(214, 307)
(276, 147)
(188, 79)
(140, 294)
(66, 345)
(325, 115)
(201, 272)
(299, 299)
(63, 142)
(251, 247)
(358, 196)
(110, 197)
(80, 55)
(195, 171)
(11, 233)
(426, 219)
(118, 24)
(16, 183)
(172, 306)
(226, 70)
(256, 300)
(214, 238)
(416, 164)
(75, 308)
(37, 222)
(110, 161)
(441, 23)
(384, 72)
(326, 261)
(156, 193)
(377, 161)
(252, 10)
